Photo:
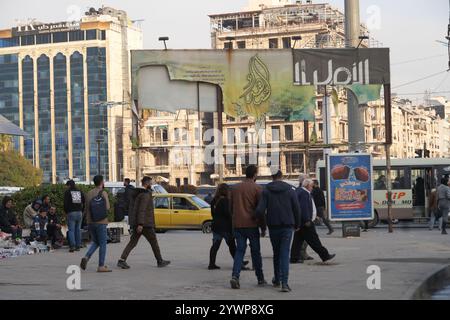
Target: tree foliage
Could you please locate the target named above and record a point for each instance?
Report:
(17, 171)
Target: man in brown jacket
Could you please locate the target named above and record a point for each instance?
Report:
(142, 221)
(244, 200)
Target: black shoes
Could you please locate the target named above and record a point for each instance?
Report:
(234, 282)
(330, 257)
(123, 264)
(163, 263)
(72, 250)
(262, 283)
(276, 284)
(296, 261)
(213, 267)
(444, 232)
(285, 288)
(83, 263)
(330, 232)
(77, 249)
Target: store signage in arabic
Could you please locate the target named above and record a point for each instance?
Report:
(30, 28)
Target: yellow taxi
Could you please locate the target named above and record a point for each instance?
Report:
(176, 211)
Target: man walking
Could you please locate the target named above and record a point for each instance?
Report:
(244, 200)
(142, 222)
(73, 207)
(302, 255)
(280, 206)
(319, 201)
(129, 190)
(96, 211)
(443, 195)
(307, 232)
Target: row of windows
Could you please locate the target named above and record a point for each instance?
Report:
(55, 37)
(274, 43)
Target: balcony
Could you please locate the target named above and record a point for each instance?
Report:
(156, 169)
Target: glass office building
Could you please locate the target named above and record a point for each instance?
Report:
(56, 83)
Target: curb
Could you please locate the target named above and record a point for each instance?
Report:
(423, 292)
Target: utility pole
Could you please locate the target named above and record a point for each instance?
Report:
(99, 140)
(356, 132)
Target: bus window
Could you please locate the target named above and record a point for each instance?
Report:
(380, 179)
(400, 180)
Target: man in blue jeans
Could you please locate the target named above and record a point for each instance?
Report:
(97, 229)
(279, 205)
(74, 206)
(244, 199)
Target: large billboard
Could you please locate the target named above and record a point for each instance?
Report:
(254, 82)
(350, 181)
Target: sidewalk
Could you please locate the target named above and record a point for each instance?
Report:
(406, 259)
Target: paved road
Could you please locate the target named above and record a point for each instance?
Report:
(406, 258)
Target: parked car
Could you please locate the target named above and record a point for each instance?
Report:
(176, 211)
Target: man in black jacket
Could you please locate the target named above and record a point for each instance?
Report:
(319, 201)
(280, 207)
(307, 231)
(142, 222)
(129, 188)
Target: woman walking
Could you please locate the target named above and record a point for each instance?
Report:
(221, 225)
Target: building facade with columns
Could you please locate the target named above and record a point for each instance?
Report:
(67, 84)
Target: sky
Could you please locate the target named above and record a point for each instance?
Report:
(409, 28)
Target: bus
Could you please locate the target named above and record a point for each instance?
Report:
(412, 182)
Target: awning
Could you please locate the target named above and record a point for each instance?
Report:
(10, 129)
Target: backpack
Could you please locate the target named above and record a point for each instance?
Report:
(97, 207)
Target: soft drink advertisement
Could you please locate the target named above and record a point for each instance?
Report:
(350, 187)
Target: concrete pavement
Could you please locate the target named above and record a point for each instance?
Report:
(406, 259)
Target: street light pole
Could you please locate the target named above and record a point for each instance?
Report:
(98, 156)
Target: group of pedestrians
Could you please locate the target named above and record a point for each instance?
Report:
(243, 214)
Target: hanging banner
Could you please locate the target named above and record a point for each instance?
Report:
(255, 83)
(350, 182)
(341, 67)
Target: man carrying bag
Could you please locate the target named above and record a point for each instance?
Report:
(96, 211)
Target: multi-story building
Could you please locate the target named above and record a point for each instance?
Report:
(67, 84)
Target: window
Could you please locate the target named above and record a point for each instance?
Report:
(244, 135)
(241, 44)
(43, 38)
(161, 203)
(287, 43)
(276, 133)
(59, 37)
(231, 136)
(289, 132)
(102, 35)
(245, 23)
(91, 34)
(273, 43)
(201, 203)
(228, 45)
(185, 181)
(182, 204)
(177, 134)
(165, 135)
(27, 40)
(229, 24)
(77, 35)
(9, 42)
